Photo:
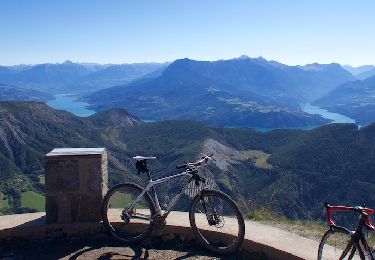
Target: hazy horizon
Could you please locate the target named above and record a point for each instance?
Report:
(162, 62)
(117, 32)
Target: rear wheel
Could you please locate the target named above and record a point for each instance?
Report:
(125, 223)
(217, 222)
(336, 243)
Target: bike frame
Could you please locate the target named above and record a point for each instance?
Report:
(357, 236)
(151, 186)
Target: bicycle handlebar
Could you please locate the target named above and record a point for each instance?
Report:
(365, 212)
(197, 163)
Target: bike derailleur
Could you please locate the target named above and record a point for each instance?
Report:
(125, 216)
(158, 221)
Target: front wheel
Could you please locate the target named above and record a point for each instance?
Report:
(337, 243)
(217, 222)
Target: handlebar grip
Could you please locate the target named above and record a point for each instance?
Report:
(181, 166)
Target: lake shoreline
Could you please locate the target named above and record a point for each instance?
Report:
(335, 117)
(72, 104)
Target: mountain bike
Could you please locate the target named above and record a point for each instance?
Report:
(211, 211)
(340, 243)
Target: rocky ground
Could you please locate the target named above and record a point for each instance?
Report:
(71, 249)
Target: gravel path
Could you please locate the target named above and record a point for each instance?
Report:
(71, 249)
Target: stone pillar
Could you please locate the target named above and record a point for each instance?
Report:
(76, 182)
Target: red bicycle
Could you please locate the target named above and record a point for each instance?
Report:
(340, 243)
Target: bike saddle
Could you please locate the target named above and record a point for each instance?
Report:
(139, 158)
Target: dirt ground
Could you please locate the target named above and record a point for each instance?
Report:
(71, 249)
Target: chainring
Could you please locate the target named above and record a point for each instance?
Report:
(158, 221)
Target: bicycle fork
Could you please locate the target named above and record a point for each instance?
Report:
(212, 216)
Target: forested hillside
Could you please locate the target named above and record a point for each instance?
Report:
(17, 93)
(291, 172)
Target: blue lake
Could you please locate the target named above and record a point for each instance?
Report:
(69, 103)
(308, 108)
(337, 118)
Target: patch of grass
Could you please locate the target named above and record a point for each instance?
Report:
(225, 182)
(120, 201)
(306, 228)
(262, 214)
(315, 230)
(259, 158)
(3, 201)
(33, 200)
(42, 179)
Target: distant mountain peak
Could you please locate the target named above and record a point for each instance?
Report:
(319, 67)
(260, 58)
(243, 57)
(68, 62)
(114, 117)
(185, 60)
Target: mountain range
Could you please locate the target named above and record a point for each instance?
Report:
(290, 172)
(251, 92)
(74, 78)
(236, 92)
(361, 72)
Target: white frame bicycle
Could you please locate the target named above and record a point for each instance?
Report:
(157, 218)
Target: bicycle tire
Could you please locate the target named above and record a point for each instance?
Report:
(203, 234)
(111, 225)
(333, 244)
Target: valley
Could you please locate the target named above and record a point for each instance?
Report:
(239, 92)
(355, 99)
(289, 172)
(286, 137)
(247, 92)
(71, 103)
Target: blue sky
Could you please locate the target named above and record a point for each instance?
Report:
(121, 31)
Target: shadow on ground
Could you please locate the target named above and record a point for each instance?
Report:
(106, 249)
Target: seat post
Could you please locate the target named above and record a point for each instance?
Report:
(141, 166)
(149, 175)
